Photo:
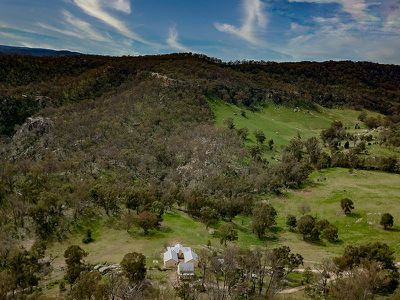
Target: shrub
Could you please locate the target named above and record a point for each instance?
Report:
(291, 222)
(88, 238)
(387, 220)
(330, 233)
(305, 226)
(347, 205)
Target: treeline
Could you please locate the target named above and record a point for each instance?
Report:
(331, 84)
(362, 271)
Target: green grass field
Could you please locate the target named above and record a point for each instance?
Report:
(373, 193)
(282, 123)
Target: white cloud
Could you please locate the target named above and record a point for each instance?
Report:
(76, 28)
(298, 28)
(97, 9)
(391, 12)
(120, 5)
(173, 41)
(84, 27)
(254, 21)
(358, 9)
(339, 41)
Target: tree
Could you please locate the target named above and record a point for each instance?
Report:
(6, 284)
(24, 267)
(134, 267)
(260, 136)
(305, 225)
(147, 220)
(133, 199)
(291, 222)
(330, 232)
(74, 260)
(363, 282)
(281, 262)
(347, 205)
(89, 286)
(105, 197)
(208, 215)
(271, 144)
(264, 217)
(243, 133)
(313, 150)
(47, 214)
(88, 237)
(294, 151)
(256, 152)
(387, 221)
(229, 123)
(362, 116)
(322, 224)
(334, 134)
(356, 256)
(227, 232)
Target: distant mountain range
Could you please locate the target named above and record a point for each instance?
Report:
(11, 50)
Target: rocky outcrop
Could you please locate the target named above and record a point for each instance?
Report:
(31, 136)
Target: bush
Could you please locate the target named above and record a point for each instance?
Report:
(330, 233)
(387, 221)
(305, 226)
(88, 238)
(347, 205)
(291, 222)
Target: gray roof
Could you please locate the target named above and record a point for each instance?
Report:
(172, 253)
(185, 268)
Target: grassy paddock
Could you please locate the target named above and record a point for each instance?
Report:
(373, 194)
(282, 123)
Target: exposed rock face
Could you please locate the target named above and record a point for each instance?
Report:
(106, 269)
(39, 125)
(33, 134)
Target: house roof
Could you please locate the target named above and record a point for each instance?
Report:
(172, 253)
(189, 254)
(184, 267)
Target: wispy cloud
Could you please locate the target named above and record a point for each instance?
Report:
(358, 9)
(173, 41)
(391, 14)
(76, 28)
(333, 39)
(98, 10)
(254, 21)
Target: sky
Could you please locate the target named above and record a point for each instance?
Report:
(271, 30)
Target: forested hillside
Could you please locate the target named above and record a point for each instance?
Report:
(129, 143)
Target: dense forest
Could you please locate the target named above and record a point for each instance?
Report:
(84, 136)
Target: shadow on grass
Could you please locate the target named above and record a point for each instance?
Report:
(137, 233)
(320, 243)
(393, 229)
(270, 238)
(336, 243)
(354, 215)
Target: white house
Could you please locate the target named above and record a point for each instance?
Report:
(183, 257)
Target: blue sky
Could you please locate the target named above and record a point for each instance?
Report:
(280, 30)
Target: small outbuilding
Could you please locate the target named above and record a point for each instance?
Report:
(185, 270)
